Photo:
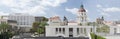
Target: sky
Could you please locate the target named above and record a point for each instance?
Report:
(110, 9)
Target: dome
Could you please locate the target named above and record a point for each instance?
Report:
(82, 9)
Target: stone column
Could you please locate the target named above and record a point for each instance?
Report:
(74, 32)
(66, 32)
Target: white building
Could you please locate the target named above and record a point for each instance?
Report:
(68, 31)
(82, 16)
(23, 20)
(73, 29)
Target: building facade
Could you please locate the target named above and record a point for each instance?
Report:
(24, 21)
(68, 31)
(67, 28)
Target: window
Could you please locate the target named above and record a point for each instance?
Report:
(77, 30)
(56, 30)
(59, 29)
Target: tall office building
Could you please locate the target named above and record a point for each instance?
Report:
(23, 20)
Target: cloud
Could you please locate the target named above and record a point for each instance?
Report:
(101, 11)
(98, 6)
(31, 6)
(105, 14)
(72, 10)
(52, 3)
(108, 11)
(112, 9)
(3, 13)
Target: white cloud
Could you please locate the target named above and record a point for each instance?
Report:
(112, 9)
(52, 3)
(3, 13)
(105, 14)
(73, 10)
(106, 11)
(98, 5)
(31, 6)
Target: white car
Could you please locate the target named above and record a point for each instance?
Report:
(34, 35)
(15, 37)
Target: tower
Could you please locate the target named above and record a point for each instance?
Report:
(82, 17)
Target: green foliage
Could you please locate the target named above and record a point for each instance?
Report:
(39, 26)
(93, 36)
(6, 35)
(4, 26)
(104, 29)
(92, 24)
(35, 26)
(40, 30)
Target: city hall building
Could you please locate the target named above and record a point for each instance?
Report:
(68, 31)
(65, 28)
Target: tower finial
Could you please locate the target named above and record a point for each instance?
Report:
(81, 6)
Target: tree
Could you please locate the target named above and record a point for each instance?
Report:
(4, 27)
(43, 19)
(35, 26)
(5, 31)
(39, 26)
(104, 29)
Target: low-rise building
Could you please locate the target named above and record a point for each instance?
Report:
(55, 21)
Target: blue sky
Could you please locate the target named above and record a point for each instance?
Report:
(110, 9)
